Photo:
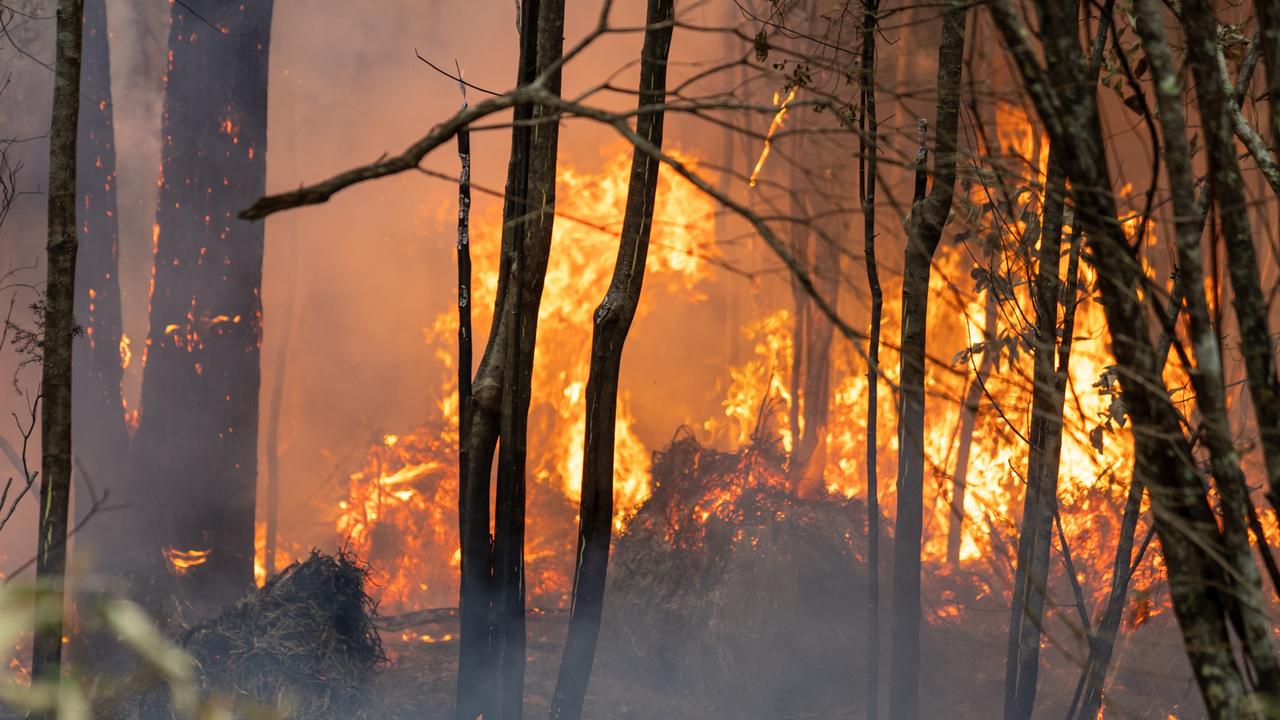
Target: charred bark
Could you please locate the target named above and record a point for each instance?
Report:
(56, 349)
(195, 452)
(868, 156)
(491, 596)
(924, 231)
(529, 248)
(612, 321)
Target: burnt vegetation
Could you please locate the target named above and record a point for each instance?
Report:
(753, 358)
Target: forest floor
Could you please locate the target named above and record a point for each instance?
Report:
(420, 682)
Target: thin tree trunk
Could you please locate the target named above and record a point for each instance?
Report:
(1207, 375)
(1031, 575)
(271, 438)
(924, 232)
(611, 322)
(530, 247)
(195, 472)
(1163, 461)
(969, 419)
(479, 432)
(55, 347)
(868, 155)
(1227, 185)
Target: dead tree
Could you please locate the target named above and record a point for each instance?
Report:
(59, 328)
(611, 322)
(492, 594)
(1163, 461)
(196, 447)
(868, 155)
(929, 214)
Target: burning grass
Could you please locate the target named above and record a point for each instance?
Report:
(304, 644)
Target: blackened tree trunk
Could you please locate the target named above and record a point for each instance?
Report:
(55, 347)
(102, 441)
(196, 444)
(1163, 462)
(1040, 501)
(1227, 186)
(529, 248)
(924, 232)
(491, 654)
(868, 155)
(611, 322)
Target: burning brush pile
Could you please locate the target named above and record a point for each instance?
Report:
(728, 587)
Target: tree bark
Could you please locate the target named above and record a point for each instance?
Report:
(1207, 375)
(1227, 186)
(1040, 502)
(924, 232)
(612, 321)
(56, 349)
(196, 447)
(1163, 461)
(868, 156)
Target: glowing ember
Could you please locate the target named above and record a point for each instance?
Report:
(183, 560)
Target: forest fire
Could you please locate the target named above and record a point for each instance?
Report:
(893, 362)
(400, 513)
(401, 510)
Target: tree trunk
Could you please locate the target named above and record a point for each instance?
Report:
(1163, 462)
(532, 246)
(868, 157)
(55, 347)
(196, 446)
(1031, 576)
(612, 320)
(924, 232)
(1227, 185)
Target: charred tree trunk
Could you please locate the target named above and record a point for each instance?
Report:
(612, 321)
(924, 231)
(1163, 462)
(102, 441)
(491, 597)
(55, 348)
(1227, 186)
(1031, 575)
(530, 248)
(868, 156)
(197, 441)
